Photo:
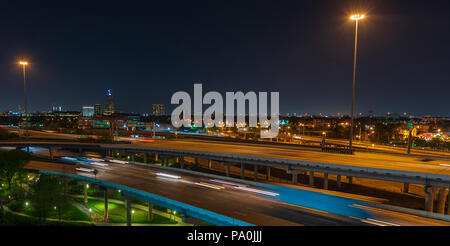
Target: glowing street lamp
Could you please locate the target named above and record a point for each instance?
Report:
(356, 18)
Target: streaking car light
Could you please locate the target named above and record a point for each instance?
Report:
(69, 158)
(99, 164)
(216, 187)
(257, 191)
(82, 169)
(95, 159)
(382, 222)
(168, 175)
(119, 161)
(228, 183)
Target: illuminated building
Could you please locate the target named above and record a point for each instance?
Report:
(88, 111)
(109, 110)
(158, 109)
(97, 109)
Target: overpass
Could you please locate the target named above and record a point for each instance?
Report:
(228, 201)
(431, 176)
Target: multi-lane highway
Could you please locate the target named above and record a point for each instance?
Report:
(395, 161)
(362, 159)
(254, 205)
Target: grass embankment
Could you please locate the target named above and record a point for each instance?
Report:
(117, 213)
(69, 213)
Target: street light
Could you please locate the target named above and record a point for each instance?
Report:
(24, 64)
(356, 18)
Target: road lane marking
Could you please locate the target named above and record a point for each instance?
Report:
(383, 222)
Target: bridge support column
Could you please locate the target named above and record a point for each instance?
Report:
(177, 160)
(255, 172)
(350, 179)
(325, 181)
(128, 208)
(105, 194)
(429, 198)
(156, 157)
(150, 212)
(50, 151)
(85, 191)
(338, 181)
(145, 157)
(294, 178)
(227, 170)
(166, 161)
(448, 203)
(196, 161)
(268, 173)
(406, 187)
(133, 158)
(209, 164)
(242, 171)
(181, 162)
(443, 192)
(311, 178)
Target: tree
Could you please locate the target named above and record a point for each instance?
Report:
(12, 163)
(48, 192)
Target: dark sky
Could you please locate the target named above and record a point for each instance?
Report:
(147, 50)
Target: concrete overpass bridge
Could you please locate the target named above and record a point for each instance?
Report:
(436, 179)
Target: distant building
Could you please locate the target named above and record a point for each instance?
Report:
(97, 109)
(57, 109)
(158, 109)
(109, 110)
(88, 111)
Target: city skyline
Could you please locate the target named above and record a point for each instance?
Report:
(285, 48)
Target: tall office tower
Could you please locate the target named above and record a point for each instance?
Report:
(88, 111)
(158, 109)
(98, 109)
(109, 110)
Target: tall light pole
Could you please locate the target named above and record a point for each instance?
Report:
(356, 18)
(24, 64)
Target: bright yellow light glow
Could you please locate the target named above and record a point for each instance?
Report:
(23, 63)
(357, 17)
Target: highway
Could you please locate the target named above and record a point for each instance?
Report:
(415, 163)
(253, 205)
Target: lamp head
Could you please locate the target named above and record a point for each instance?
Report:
(357, 17)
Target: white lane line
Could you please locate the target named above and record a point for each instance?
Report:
(216, 187)
(382, 222)
(168, 175)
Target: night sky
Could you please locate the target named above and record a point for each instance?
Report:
(145, 51)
